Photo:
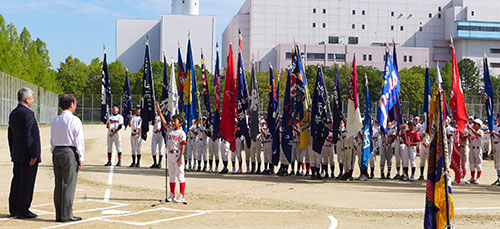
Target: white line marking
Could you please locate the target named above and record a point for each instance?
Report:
(422, 209)
(107, 194)
(334, 221)
(268, 211)
(38, 191)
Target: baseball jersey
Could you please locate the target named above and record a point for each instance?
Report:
(115, 122)
(176, 138)
(411, 137)
(136, 123)
(267, 134)
(202, 136)
(496, 128)
(450, 130)
(192, 129)
(475, 140)
(157, 124)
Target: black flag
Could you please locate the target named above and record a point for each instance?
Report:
(148, 100)
(127, 103)
(106, 91)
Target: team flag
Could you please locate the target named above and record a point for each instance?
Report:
(276, 131)
(337, 107)
(438, 192)
(106, 91)
(253, 119)
(300, 96)
(173, 98)
(206, 96)
(243, 100)
(488, 95)
(390, 93)
(228, 122)
(457, 101)
(395, 112)
(272, 107)
(189, 111)
(287, 120)
(181, 79)
(148, 100)
(353, 113)
(127, 103)
(367, 130)
(427, 99)
(319, 115)
(216, 117)
(165, 93)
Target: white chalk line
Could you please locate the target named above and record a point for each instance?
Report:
(334, 222)
(107, 193)
(422, 209)
(40, 191)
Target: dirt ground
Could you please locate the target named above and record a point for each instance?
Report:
(234, 201)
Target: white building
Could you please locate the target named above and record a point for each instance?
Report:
(166, 34)
(342, 28)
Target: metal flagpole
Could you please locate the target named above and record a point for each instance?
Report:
(445, 169)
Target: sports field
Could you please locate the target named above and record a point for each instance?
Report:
(121, 197)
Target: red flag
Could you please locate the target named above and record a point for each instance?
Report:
(228, 118)
(457, 101)
(456, 164)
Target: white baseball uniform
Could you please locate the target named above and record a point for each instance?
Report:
(496, 147)
(157, 138)
(175, 139)
(268, 145)
(327, 152)
(476, 153)
(136, 141)
(201, 144)
(115, 122)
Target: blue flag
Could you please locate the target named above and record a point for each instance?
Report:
(427, 99)
(216, 117)
(181, 78)
(287, 121)
(127, 103)
(272, 115)
(189, 106)
(106, 92)
(367, 129)
(148, 100)
(488, 95)
(319, 115)
(337, 107)
(390, 93)
(277, 126)
(164, 93)
(206, 96)
(395, 112)
(242, 101)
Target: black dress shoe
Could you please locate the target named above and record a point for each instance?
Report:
(74, 218)
(28, 215)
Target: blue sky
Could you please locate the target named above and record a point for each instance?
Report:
(80, 28)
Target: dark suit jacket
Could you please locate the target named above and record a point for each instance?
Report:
(23, 134)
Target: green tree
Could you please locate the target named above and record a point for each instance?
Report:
(469, 74)
(73, 75)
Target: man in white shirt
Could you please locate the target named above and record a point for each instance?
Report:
(68, 153)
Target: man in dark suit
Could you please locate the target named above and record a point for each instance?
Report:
(24, 144)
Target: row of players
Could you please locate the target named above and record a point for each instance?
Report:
(404, 145)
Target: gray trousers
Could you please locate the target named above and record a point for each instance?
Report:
(65, 166)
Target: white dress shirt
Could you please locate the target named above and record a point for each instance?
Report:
(66, 130)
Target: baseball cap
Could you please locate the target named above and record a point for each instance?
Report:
(478, 121)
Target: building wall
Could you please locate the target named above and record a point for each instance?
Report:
(422, 24)
(131, 41)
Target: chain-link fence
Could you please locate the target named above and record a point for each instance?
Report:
(44, 106)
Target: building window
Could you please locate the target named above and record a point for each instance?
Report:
(370, 57)
(314, 10)
(472, 13)
(405, 58)
(353, 40)
(340, 56)
(430, 15)
(401, 28)
(495, 65)
(420, 29)
(439, 15)
(364, 57)
(410, 58)
(315, 56)
(353, 26)
(392, 27)
(333, 39)
(353, 12)
(324, 25)
(392, 13)
(495, 51)
(363, 12)
(439, 9)
(363, 26)
(314, 24)
(288, 55)
(324, 11)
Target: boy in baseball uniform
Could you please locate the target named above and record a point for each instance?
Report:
(114, 125)
(268, 148)
(176, 144)
(327, 153)
(411, 139)
(476, 152)
(495, 133)
(191, 145)
(135, 137)
(157, 142)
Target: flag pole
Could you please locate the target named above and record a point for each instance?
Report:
(445, 169)
(105, 90)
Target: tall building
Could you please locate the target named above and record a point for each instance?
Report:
(166, 35)
(339, 29)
